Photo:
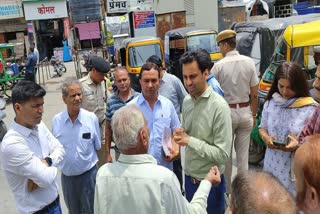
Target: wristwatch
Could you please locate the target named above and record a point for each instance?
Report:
(48, 160)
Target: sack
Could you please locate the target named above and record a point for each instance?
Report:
(255, 131)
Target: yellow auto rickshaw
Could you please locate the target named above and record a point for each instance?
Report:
(134, 53)
(180, 40)
(296, 45)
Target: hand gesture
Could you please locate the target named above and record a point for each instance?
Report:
(174, 153)
(213, 176)
(269, 141)
(109, 158)
(293, 144)
(180, 137)
(31, 185)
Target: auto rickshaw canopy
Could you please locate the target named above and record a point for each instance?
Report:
(147, 39)
(183, 32)
(5, 46)
(301, 35)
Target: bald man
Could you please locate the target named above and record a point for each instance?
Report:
(259, 192)
(306, 169)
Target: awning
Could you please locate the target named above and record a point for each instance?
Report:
(89, 30)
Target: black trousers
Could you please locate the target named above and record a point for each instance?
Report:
(177, 169)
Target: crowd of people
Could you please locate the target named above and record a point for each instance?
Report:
(215, 110)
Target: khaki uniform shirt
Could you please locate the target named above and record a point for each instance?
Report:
(94, 97)
(236, 74)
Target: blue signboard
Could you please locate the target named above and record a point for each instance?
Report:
(145, 19)
(10, 11)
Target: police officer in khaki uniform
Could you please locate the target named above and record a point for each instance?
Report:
(94, 96)
(239, 80)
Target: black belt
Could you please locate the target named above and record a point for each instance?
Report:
(49, 207)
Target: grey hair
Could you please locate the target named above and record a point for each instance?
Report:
(126, 124)
(65, 85)
(260, 192)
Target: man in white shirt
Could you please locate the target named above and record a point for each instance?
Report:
(135, 183)
(78, 131)
(30, 153)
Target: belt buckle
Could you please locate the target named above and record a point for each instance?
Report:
(193, 180)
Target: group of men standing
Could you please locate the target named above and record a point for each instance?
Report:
(94, 118)
(206, 129)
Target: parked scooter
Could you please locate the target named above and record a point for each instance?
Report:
(3, 128)
(58, 65)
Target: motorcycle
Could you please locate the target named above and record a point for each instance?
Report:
(3, 127)
(58, 65)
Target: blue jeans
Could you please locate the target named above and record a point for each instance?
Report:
(216, 204)
(78, 191)
(54, 210)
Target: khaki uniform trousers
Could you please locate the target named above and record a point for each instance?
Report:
(242, 124)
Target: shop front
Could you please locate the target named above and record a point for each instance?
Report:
(48, 18)
(12, 26)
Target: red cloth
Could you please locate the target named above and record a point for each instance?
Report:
(313, 125)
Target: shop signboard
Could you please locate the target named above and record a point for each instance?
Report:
(144, 23)
(46, 9)
(117, 6)
(10, 9)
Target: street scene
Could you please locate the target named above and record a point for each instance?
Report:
(159, 106)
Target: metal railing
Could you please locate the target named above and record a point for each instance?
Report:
(43, 67)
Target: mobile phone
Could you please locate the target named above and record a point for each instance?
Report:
(279, 143)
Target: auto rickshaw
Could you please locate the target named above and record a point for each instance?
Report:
(135, 52)
(258, 39)
(296, 45)
(180, 40)
(9, 71)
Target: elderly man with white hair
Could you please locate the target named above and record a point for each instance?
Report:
(136, 184)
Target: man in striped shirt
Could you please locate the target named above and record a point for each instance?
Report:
(119, 98)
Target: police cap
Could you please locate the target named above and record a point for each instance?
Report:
(226, 34)
(100, 64)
